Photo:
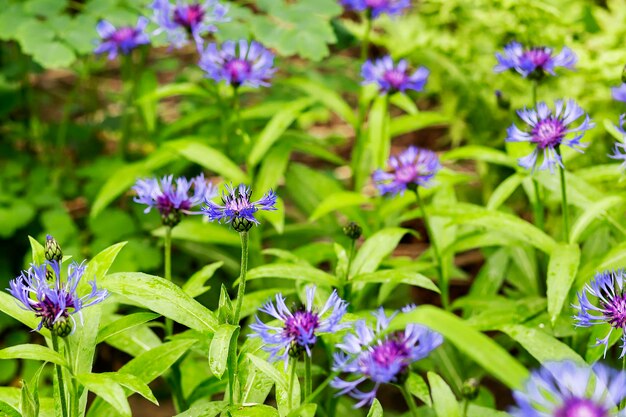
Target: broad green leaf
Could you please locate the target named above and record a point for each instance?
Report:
(9, 306)
(204, 408)
(107, 389)
(34, 352)
(132, 382)
(275, 128)
(416, 386)
(324, 95)
(38, 251)
(504, 191)
(413, 122)
(396, 276)
(480, 348)
(273, 166)
(591, 213)
(469, 214)
(194, 286)
(180, 89)
(123, 324)
(280, 379)
(224, 337)
(163, 297)
(6, 410)
(337, 201)
(376, 248)
(480, 153)
(194, 150)
(195, 230)
(289, 271)
(376, 410)
(541, 345)
(378, 134)
(444, 401)
(305, 410)
(258, 410)
(562, 270)
(479, 411)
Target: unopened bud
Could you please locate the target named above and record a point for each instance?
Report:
(241, 224)
(62, 327)
(353, 230)
(52, 250)
(503, 102)
(470, 388)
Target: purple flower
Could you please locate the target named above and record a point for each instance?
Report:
(52, 300)
(123, 40)
(619, 93)
(548, 131)
(188, 20)
(375, 8)
(567, 389)
(533, 62)
(366, 355)
(413, 167)
(619, 149)
(391, 77)
(238, 209)
(609, 306)
(173, 199)
(238, 63)
(299, 328)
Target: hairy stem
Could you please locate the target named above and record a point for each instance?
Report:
(242, 277)
(564, 206)
(292, 379)
(308, 382)
(59, 373)
(410, 401)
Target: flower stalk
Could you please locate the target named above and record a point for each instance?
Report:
(59, 373)
(242, 276)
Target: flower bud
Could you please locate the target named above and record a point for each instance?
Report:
(470, 389)
(241, 224)
(171, 219)
(52, 249)
(62, 327)
(353, 230)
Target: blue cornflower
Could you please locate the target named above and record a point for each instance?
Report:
(413, 167)
(619, 93)
(300, 327)
(173, 199)
(238, 210)
(51, 299)
(567, 389)
(608, 289)
(375, 8)
(238, 63)
(123, 39)
(548, 131)
(391, 77)
(382, 360)
(533, 62)
(187, 21)
(619, 150)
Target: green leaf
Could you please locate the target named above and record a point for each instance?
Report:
(123, 324)
(195, 230)
(53, 55)
(592, 213)
(38, 251)
(163, 297)
(7, 411)
(337, 201)
(9, 306)
(296, 272)
(34, 352)
(416, 386)
(225, 335)
(273, 166)
(275, 128)
(258, 410)
(444, 401)
(480, 153)
(107, 389)
(204, 408)
(328, 97)
(194, 286)
(194, 150)
(376, 248)
(179, 89)
(376, 410)
(504, 191)
(279, 378)
(378, 136)
(413, 122)
(397, 276)
(541, 345)
(480, 348)
(478, 411)
(562, 270)
(132, 382)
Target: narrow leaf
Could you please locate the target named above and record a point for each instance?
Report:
(444, 401)
(224, 336)
(562, 270)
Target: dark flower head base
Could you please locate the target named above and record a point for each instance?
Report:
(188, 21)
(365, 355)
(376, 8)
(237, 209)
(602, 301)
(391, 77)
(54, 302)
(299, 328)
(534, 63)
(415, 167)
(173, 199)
(238, 63)
(548, 130)
(121, 40)
(567, 389)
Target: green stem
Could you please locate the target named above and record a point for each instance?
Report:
(59, 372)
(242, 277)
(347, 286)
(537, 205)
(232, 359)
(443, 278)
(167, 248)
(564, 206)
(365, 43)
(292, 365)
(321, 387)
(410, 401)
(74, 385)
(308, 381)
(128, 86)
(622, 404)
(466, 404)
(534, 92)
